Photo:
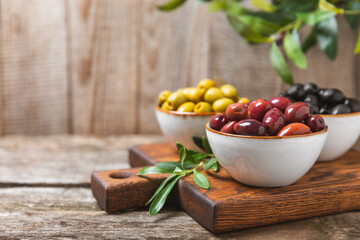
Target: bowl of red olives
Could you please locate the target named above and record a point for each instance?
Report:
(267, 143)
(182, 114)
(341, 114)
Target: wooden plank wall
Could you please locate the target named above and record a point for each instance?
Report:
(96, 66)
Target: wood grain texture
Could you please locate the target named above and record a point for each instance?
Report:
(65, 212)
(114, 189)
(62, 160)
(328, 188)
(33, 72)
(104, 58)
(174, 54)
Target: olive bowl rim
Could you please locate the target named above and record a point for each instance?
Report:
(340, 115)
(192, 114)
(208, 128)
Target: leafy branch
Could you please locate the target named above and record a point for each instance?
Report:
(278, 22)
(190, 162)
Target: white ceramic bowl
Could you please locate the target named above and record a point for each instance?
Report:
(182, 126)
(344, 130)
(266, 161)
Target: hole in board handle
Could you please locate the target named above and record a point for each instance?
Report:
(120, 175)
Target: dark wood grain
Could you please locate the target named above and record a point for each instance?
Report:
(117, 190)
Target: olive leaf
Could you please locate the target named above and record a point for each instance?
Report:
(327, 37)
(215, 167)
(173, 4)
(326, 6)
(198, 156)
(263, 5)
(315, 17)
(259, 25)
(162, 185)
(248, 34)
(279, 64)
(216, 5)
(201, 180)
(352, 20)
(198, 141)
(153, 170)
(160, 198)
(310, 41)
(178, 146)
(357, 47)
(182, 155)
(294, 51)
(168, 165)
(209, 163)
(296, 37)
(206, 145)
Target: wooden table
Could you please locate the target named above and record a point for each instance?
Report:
(45, 194)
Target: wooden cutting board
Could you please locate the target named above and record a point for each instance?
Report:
(328, 188)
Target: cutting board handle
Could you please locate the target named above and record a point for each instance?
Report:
(123, 189)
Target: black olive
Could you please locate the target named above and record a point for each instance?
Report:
(331, 96)
(296, 92)
(314, 109)
(353, 103)
(320, 91)
(325, 110)
(311, 99)
(310, 88)
(341, 109)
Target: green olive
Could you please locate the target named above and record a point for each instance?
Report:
(165, 105)
(202, 107)
(193, 94)
(229, 91)
(243, 100)
(220, 105)
(176, 99)
(213, 94)
(186, 107)
(205, 84)
(163, 96)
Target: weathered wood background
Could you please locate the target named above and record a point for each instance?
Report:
(96, 66)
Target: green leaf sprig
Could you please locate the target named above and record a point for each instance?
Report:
(278, 22)
(190, 162)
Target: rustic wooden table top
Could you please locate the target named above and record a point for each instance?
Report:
(45, 194)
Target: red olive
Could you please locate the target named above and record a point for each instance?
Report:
(229, 127)
(246, 105)
(218, 121)
(280, 102)
(294, 129)
(236, 112)
(250, 127)
(258, 108)
(316, 123)
(297, 112)
(274, 121)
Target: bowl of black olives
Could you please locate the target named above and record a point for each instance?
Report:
(342, 115)
(183, 113)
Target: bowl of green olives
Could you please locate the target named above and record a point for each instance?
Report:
(182, 114)
(267, 144)
(342, 115)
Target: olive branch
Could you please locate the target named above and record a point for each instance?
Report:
(278, 22)
(190, 161)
